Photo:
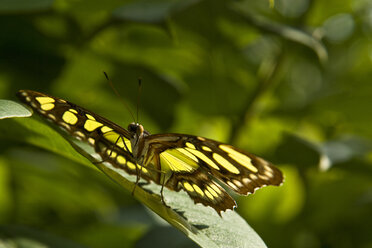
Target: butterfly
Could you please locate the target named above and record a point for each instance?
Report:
(194, 164)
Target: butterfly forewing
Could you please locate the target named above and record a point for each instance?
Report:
(110, 141)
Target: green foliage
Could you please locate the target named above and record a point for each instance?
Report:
(289, 80)
(9, 109)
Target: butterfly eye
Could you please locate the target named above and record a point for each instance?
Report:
(132, 127)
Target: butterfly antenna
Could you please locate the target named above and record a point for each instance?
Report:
(118, 95)
(139, 96)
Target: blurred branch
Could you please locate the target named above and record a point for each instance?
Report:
(264, 83)
(267, 80)
(286, 32)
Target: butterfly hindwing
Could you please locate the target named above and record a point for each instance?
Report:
(240, 171)
(202, 189)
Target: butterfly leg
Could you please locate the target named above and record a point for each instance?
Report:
(105, 159)
(162, 194)
(125, 144)
(162, 191)
(137, 178)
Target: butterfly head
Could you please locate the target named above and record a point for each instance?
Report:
(137, 130)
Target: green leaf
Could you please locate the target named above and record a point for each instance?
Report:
(32, 131)
(343, 150)
(304, 153)
(10, 109)
(201, 224)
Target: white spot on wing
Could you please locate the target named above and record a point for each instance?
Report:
(263, 177)
(253, 177)
(246, 180)
(232, 185)
(268, 173)
(65, 125)
(52, 117)
(237, 183)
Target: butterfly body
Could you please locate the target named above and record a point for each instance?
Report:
(176, 161)
(137, 136)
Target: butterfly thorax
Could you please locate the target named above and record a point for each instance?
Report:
(138, 133)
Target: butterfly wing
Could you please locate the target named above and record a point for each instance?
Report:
(109, 140)
(196, 162)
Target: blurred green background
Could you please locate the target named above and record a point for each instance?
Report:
(291, 82)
